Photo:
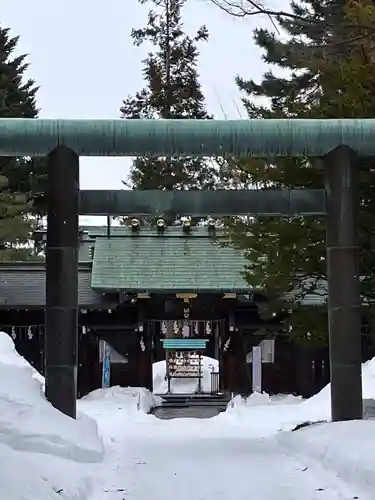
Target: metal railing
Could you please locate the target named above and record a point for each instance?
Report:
(215, 383)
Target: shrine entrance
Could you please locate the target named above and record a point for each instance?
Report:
(192, 351)
(336, 142)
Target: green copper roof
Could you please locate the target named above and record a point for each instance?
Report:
(149, 262)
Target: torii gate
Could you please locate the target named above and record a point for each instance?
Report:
(63, 141)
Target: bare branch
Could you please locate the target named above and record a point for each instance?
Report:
(252, 8)
(249, 8)
(354, 32)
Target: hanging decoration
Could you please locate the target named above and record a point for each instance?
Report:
(186, 330)
(208, 329)
(227, 344)
(29, 333)
(196, 328)
(176, 328)
(13, 334)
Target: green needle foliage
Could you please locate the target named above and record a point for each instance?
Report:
(329, 60)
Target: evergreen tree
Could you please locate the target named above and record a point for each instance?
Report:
(172, 90)
(17, 100)
(329, 78)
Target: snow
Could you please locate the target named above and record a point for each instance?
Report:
(347, 449)
(237, 452)
(10, 357)
(262, 415)
(31, 476)
(128, 399)
(247, 451)
(29, 422)
(184, 386)
(41, 450)
(118, 404)
(215, 458)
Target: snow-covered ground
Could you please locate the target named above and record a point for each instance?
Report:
(116, 451)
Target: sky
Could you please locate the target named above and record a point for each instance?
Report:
(82, 57)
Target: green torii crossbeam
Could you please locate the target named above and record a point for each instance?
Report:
(266, 202)
(25, 137)
(64, 141)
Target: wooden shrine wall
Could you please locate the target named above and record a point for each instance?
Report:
(296, 369)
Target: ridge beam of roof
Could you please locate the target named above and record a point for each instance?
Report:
(218, 203)
(259, 138)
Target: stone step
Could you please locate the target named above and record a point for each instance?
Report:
(195, 401)
(169, 413)
(200, 398)
(190, 405)
(182, 404)
(202, 395)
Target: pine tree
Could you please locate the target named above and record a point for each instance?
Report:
(17, 100)
(329, 78)
(172, 90)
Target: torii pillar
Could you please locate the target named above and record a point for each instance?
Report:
(61, 336)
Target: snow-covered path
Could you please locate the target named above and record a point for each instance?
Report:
(153, 460)
(238, 454)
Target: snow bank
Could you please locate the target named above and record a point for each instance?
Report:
(262, 399)
(184, 386)
(259, 417)
(284, 413)
(40, 448)
(10, 357)
(129, 399)
(31, 476)
(29, 422)
(115, 407)
(346, 448)
(319, 406)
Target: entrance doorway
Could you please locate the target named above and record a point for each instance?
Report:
(209, 330)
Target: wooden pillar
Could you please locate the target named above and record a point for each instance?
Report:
(86, 366)
(305, 375)
(222, 338)
(227, 357)
(144, 364)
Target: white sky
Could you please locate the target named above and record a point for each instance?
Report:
(81, 55)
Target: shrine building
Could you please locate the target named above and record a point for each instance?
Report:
(141, 285)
